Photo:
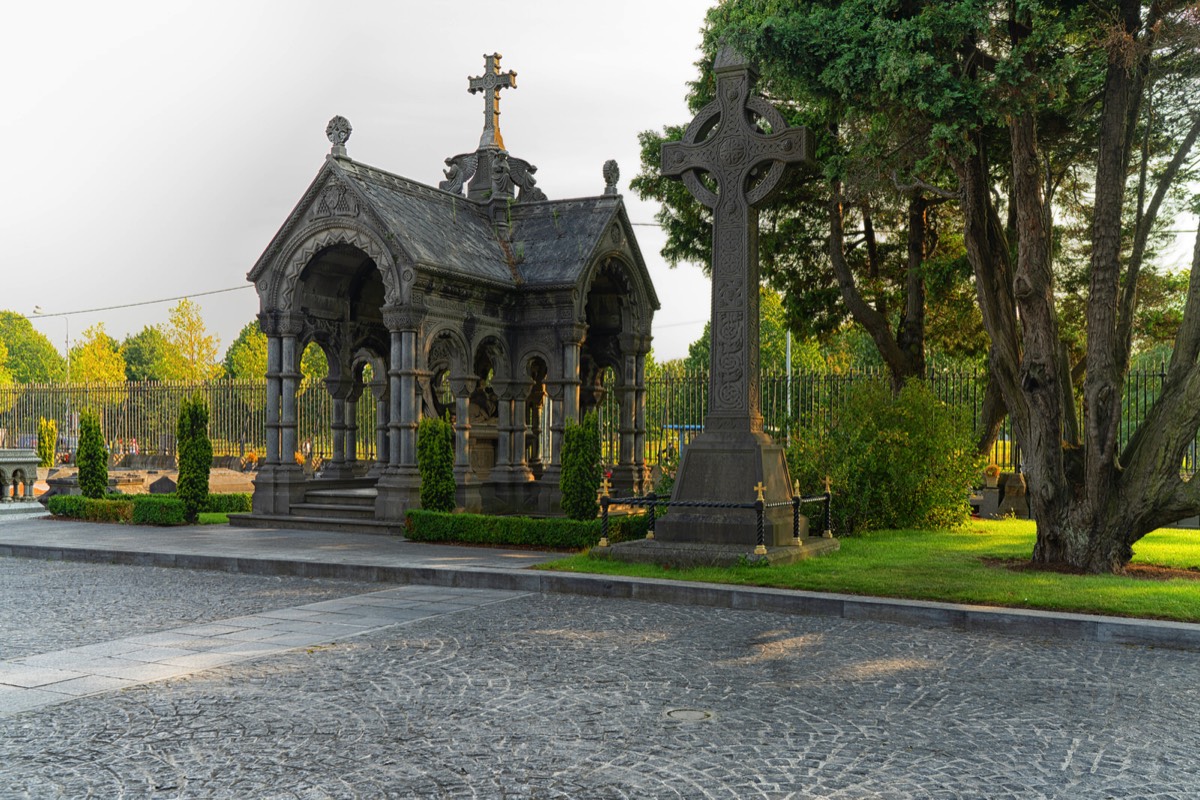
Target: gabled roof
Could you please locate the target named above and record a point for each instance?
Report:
(552, 241)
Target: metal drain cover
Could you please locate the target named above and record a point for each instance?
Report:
(689, 714)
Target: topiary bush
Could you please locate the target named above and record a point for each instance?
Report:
(435, 462)
(47, 442)
(896, 461)
(195, 455)
(90, 457)
(581, 468)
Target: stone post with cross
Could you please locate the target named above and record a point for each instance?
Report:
(743, 145)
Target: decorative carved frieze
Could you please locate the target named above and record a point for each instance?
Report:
(336, 199)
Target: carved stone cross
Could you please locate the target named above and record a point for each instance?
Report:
(727, 142)
(732, 158)
(490, 83)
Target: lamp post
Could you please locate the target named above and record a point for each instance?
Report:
(37, 310)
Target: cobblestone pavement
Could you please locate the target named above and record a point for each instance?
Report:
(571, 697)
(51, 605)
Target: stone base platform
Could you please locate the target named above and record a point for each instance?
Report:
(701, 554)
(22, 510)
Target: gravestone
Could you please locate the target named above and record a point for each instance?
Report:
(744, 146)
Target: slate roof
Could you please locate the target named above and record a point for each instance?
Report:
(553, 241)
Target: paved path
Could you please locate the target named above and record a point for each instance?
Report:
(471, 693)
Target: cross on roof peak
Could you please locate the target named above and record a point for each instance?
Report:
(490, 83)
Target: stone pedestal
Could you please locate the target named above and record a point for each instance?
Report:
(276, 488)
(725, 467)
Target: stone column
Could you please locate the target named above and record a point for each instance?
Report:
(504, 431)
(399, 487)
(554, 396)
(395, 395)
(379, 390)
(639, 418)
(289, 381)
(351, 420)
(339, 467)
(274, 367)
(462, 386)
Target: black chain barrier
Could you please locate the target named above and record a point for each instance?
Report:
(652, 501)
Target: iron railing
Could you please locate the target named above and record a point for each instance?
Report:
(804, 403)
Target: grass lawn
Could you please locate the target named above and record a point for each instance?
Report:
(954, 566)
(212, 518)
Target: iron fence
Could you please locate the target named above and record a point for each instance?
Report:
(142, 416)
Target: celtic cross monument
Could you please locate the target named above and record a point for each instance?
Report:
(743, 145)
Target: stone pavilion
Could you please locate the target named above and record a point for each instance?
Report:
(479, 299)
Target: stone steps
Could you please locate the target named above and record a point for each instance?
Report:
(334, 510)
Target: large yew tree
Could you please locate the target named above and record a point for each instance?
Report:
(1050, 116)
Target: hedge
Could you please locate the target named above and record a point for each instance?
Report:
(157, 509)
(141, 509)
(233, 503)
(554, 533)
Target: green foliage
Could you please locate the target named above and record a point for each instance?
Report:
(432, 526)
(895, 461)
(581, 468)
(31, 357)
(191, 351)
(231, 503)
(93, 509)
(158, 509)
(66, 505)
(435, 462)
(91, 457)
(96, 357)
(47, 442)
(247, 355)
(146, 355)
(195, 455)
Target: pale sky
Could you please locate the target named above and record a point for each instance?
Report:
(154, 148)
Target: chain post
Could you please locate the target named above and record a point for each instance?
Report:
(604, 500)
(653, 498)
(828, 532)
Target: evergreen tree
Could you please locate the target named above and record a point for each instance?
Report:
(435, 462)
(581, 468)
(91, 457)
(195, 455)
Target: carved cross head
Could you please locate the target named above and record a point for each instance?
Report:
(490, 83)
(739, 139)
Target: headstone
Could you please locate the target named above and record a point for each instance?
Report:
(727, 141)
(164, 485)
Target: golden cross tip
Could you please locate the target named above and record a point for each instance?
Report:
(758, 487)
(605, 487)
(828, 484)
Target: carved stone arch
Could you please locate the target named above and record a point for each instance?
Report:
(494, 348)
(616, 265)
(446, 347)
(327, 234)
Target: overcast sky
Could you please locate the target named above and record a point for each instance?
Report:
(155, 147)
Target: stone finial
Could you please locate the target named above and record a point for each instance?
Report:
(338, 132)
(490, 83)
(612, 174)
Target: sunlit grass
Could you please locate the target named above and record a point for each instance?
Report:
(953, 566)
(212, 518)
